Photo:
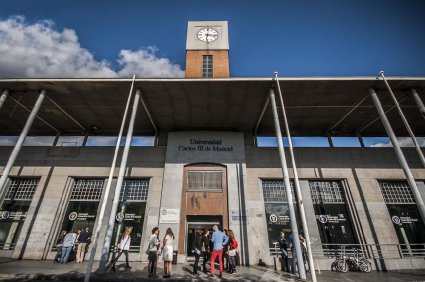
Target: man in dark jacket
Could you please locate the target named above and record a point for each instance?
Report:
(196, 249)
(283, 245)
(83, 239)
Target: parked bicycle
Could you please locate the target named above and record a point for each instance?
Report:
(345, 263)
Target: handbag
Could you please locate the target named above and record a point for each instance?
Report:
(232, 253)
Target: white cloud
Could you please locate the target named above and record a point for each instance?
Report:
(37, 50)
(403, 142)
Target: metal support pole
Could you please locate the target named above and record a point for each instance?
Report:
(266, 103)
(123, 166)
(297, 186)
(399, 153)
(403, 118)
(21, 140)
(288, 189)
(361, 141)
(3, 97)
(37, 116)
(330, 141)
(417, 100)
(107, 189)
(66, 113)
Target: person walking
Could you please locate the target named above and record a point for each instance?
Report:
(233, 246)
(197, 250)
(205, 249)
(59, 243)
(283, 246)
(152, 252)
(167, 253)
(83, 239)
(219, 240)
(67, 246)
(124, 247)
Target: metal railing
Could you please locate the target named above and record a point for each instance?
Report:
(368, 251)
(7, 246)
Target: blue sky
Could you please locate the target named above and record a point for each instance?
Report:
(297, 38)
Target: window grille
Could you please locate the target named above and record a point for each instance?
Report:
(274, 191)
(135, 190)
(87, 189)
(204, 180)
(396, 192)
(22, 189)
(326, 192)
(207, 66)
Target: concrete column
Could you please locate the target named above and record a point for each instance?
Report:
(21, 139)
(288, 189)
(123, 166)
(399, 153)
(3, 97)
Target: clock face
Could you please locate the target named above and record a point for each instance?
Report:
(207, 34)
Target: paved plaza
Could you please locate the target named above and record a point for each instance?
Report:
(29, 270)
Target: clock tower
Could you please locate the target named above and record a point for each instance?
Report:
(207, 49)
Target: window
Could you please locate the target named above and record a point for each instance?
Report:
(396, 192)
(204, 180)
(207, 66)
(274, 191)
(83, 203)
(405, 216)
(87, 189)
(14, 208)
(326, 192)
(131, 211)
(331, 212)
(277, 209)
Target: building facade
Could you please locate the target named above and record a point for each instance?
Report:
(205, 166)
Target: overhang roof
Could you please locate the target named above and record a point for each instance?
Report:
(314, 105)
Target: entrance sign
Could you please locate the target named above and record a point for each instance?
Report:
(169, 216)
(237, 216)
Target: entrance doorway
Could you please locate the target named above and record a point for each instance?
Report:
(199, 222)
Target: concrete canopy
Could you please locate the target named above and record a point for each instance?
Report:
(313, 105)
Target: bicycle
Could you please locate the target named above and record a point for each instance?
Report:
(340, 264)
(355, 263)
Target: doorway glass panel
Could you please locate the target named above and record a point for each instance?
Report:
(13, 210)
(405, 216)
(331, 212)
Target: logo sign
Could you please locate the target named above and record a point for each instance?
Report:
(169, 216)
(273, 218)
(119, 217)
(73, 216)
(396, 219)
(5, 215)
(323, 218)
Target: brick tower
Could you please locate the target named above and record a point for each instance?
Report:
(207, 49)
